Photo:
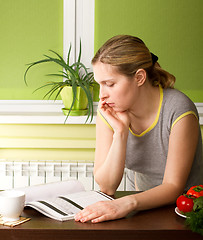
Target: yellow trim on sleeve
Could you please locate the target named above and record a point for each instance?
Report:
(103, 119)
(182, 116)
(157, 116)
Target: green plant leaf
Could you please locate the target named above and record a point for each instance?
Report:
(71, 72)
(87, 91)
(31, 65)
(59, 56)
(80, 66)
(43, 86)
(88, 78)
(54, 85)
(74, 75)
(68, 57)
(74, 90)
(51, 92)
(80, 52)
(56, 60)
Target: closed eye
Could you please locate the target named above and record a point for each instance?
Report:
(109, 84)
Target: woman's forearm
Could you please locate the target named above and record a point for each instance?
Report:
(161, 195)
(121, 207)
(109, 174)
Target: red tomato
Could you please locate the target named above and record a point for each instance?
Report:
(184, 203)
(196, 191)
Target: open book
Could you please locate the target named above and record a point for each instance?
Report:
(61, 200)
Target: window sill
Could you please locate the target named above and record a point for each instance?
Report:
(37, 112)
(46, 112)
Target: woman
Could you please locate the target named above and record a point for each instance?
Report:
(145, 125)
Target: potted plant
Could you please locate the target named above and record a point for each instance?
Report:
(76, 88)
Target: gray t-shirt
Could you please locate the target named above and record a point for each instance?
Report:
(147, 153)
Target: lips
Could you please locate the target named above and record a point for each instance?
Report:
(110, 104)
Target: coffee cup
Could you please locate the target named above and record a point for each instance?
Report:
(11, 204)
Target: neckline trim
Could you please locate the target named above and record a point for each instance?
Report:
(156, 119)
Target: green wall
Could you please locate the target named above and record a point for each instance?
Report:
(171, 29)
(29, 28)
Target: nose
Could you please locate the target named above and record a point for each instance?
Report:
(102, 93)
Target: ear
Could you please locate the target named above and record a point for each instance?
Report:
(140, 77)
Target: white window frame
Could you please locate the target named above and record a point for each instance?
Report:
(79, 24)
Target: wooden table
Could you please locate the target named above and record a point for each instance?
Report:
(160, 224)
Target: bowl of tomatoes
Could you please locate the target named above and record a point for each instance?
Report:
(190, 201)
(190, 206)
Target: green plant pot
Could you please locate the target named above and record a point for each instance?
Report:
(67, 98)
(81, 103)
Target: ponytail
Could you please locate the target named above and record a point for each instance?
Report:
(158, 76)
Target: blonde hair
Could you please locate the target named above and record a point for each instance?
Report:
(128, 54)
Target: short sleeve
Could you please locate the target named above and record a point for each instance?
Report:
(177, 105)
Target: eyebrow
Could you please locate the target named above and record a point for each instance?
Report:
(107, 80)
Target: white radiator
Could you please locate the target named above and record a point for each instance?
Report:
(15, 174)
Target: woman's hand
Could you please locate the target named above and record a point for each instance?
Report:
(106, 210)
(119, 121)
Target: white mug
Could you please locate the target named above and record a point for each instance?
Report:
(11, 204)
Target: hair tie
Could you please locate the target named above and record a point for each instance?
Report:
(154, 58)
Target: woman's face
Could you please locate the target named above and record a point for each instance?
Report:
(117, 90)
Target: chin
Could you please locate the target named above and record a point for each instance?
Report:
(119, 109)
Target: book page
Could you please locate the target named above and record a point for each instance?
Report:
(50, 191)
(52, 210)
(85, 199)
(65, 207)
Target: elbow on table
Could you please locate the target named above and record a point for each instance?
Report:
(106, 188)
(108, 191)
